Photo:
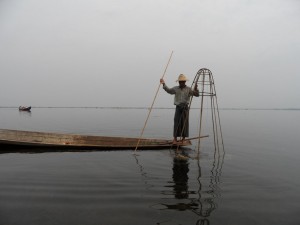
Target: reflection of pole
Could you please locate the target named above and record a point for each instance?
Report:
(207, 206)
(198, 179)
(143, 173)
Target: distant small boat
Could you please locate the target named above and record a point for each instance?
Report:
(24, 108)
(11, 139)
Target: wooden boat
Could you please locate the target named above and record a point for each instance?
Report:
(56, 141)
(24, 108)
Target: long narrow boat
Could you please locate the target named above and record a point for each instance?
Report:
(25, 108)
(57, 141)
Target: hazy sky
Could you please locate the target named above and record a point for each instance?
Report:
(113, 52)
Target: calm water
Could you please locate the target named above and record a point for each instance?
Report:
(256, 181)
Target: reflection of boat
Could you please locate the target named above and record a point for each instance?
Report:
(24, 108)
(29, 139)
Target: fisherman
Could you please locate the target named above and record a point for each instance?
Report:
(181, 100)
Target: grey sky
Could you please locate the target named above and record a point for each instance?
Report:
(113, 52)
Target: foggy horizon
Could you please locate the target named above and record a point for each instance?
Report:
(113, 53)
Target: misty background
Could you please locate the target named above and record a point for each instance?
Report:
(112, 53)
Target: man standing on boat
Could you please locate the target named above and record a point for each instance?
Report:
(181, 100)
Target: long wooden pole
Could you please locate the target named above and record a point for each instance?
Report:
(153, 103)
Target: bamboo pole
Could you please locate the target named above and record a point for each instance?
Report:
(153, 103)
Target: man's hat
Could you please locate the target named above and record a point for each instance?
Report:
(182, 78)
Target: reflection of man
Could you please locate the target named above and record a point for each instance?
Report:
(180, 186)
(181, 100)
(180, 178)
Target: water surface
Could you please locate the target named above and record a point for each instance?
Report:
(255, 182)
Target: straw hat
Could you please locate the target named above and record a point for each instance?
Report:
(182, 77)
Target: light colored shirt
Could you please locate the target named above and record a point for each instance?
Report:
(182, 95)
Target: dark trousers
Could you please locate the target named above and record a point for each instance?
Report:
(181, 121)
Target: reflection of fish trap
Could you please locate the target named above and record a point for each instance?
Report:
(206, 85)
